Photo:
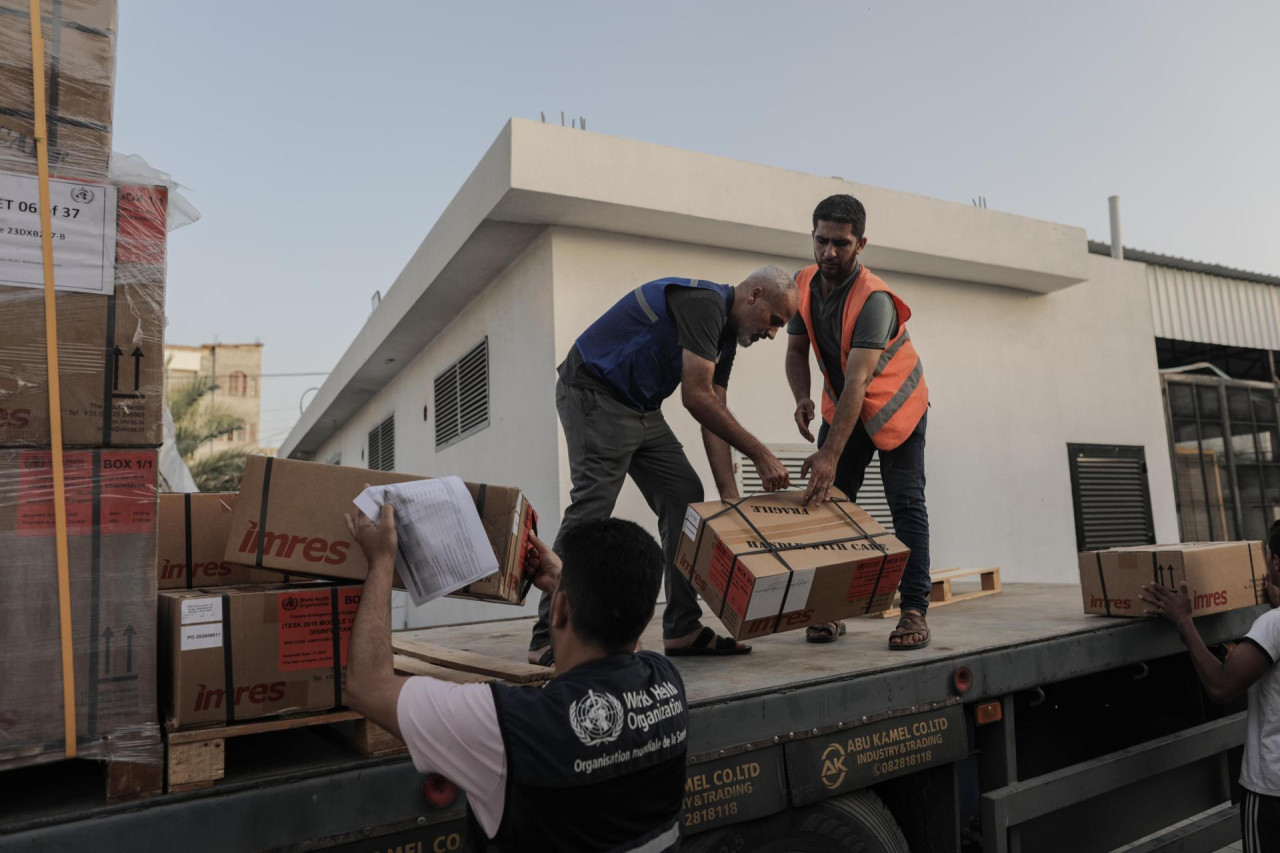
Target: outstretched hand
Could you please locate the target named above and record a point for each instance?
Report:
(1174, 605)
(542, 564)
(377, 541)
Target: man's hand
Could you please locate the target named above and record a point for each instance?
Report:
(820, 468)
(377, 541)
(773, 474)
(804, 417)
(1174, 606)
(542, 565)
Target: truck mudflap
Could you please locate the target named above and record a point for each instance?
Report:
(755, 780)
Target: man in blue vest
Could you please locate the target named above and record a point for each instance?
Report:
(595, 760)
(666, 334)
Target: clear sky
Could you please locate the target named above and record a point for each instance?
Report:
(321, 140)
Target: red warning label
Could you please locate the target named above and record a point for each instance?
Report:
(721, 562)
(741, 583)
(863, 583)
(126, 489)
(306, 626)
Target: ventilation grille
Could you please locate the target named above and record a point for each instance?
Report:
(870, 496)
(462, 397)
(1112, 501)
(382, 446)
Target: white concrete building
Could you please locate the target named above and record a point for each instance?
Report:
(1031, 343)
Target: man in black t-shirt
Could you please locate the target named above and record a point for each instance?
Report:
(667, 334)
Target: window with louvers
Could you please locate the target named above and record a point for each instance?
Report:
(382, 446)
(462, 397)
(870, 496)
(1111, 496)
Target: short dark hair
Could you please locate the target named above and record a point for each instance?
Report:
(1273, 538)
(611, 574)
(842, 208)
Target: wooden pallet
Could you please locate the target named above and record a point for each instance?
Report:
(196, 758)
(407, 644)
(941, 593)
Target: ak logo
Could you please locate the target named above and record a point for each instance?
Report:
(833, 769)
(596, 718)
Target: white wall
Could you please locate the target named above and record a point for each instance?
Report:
(1014, 377)
(515, 312)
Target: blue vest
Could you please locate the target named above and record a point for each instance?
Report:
(596, 759)
(633, 348)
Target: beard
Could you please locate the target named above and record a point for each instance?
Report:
(746, 339)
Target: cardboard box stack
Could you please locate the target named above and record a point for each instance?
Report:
(289, 517)
(1219, 576)
(769, 563)
(237, 653)
(109, 255)
(192, 543)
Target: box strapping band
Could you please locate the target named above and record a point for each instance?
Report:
(55, 388)
(337, 647)
(1257, 599)
(228, 676)
(186, 508)
(1102, 579)
(262, 510)
(776, 551)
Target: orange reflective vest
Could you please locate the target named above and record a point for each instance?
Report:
(897, 397)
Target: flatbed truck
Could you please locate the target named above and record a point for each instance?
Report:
(1025, 726)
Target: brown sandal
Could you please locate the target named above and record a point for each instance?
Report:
(911, 622)
(827, 632)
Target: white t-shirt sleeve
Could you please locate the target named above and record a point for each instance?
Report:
(1266, 633)
(452, 729)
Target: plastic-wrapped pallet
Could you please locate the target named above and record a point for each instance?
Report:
(111, 517)
(79, 69)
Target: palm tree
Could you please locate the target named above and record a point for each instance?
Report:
(196, 421)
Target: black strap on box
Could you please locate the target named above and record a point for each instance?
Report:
(187, 513)
(228, 677)
(1102, 579)
(777, 550)
(262, 510)
(1257, 599)
(337, 647)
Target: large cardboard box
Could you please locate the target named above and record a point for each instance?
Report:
(79, 72)
(192, 543)
(289, 517)
(769, 563)
(1219, 576)
(110, 347)
(111, 504)
(229, 654)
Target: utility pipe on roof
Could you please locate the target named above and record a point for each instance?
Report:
(1117, 248)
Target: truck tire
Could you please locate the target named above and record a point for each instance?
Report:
(855, 823)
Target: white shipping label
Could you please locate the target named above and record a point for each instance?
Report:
(691, 520)
(766, 597)
(201, 610)
(83, 216)
(202, 636)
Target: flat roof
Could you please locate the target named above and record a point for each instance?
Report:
(536, 175)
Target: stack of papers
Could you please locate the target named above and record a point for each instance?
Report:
(443, 546)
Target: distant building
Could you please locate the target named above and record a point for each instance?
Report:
(236, 370)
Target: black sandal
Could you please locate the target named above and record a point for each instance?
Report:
(823, 633)
(706, 644)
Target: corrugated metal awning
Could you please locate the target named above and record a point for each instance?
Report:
(1195, 306)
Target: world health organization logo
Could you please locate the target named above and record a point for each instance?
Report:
(596, 718)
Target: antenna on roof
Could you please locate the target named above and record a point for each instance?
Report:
(544, 116)
(376, 300)
(980, 201)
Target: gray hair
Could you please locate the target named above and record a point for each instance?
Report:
(776, 281)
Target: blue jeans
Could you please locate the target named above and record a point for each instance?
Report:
(902, 470)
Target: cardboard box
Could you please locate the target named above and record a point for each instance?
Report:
(79, 72)
(193, 531)
(111, 506)
(832, 562)
(1219, 575)
(232, 654)
(110, 348)
(300, 506)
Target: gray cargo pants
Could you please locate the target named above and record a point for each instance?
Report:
(607, 442)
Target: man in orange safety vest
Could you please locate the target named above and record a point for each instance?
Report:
(874, 397)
